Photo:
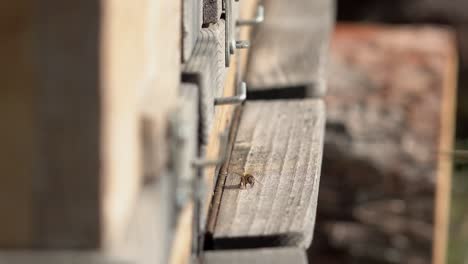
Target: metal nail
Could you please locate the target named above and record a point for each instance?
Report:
(237, 99)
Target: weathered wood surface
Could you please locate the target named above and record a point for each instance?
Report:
(256, 256)
(184, 141)
(191, 25)
(184, 150)
(280, 144)
(40, 178)
(222, 120)
(71, 85)
(212, 11)
(160, 60)
(224, 113)
(290, 48)
(389, 134)
(206, 69)
(146, 239)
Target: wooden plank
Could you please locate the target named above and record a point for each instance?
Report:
(182, 244)
(72, 80)
(224, 114)
(206, 69)
(53, 257)
(275, 63)
(146, 238)
(191, 26)
(184, 150)
(253, 256)
(280, 144)
(256, 256)
(222, 119)
(149, 234)
(184, 142)
(160, 62)
(43, 97)
(221, 177)
(212, 11)
(446, 143)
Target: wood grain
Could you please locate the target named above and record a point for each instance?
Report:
(256, 256)
(212, 11)
(206, 69)
(147, 237)
(445, 165)
(49, 193)
(184, 141)
(290, 47)
(74, 77)
(222, 119)
(224, 114)
(191, 26)
(280, 144)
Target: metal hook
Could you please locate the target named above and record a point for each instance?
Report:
(237, 99)
(202, 162)
(259, 17)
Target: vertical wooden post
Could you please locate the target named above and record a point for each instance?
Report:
(75, 78)
(444, 170)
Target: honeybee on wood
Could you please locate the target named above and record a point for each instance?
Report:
(247, 179)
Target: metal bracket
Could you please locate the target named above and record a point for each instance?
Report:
(259, 17)
(203, 163)
(237, 99)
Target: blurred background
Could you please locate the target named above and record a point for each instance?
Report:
(365, 230)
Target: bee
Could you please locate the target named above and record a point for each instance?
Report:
(247, 179)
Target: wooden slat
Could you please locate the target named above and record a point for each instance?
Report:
(184, 150)
(279, 143)
(146, 237)
(184, 139)
(206, 69)
(445, 166)
(43, 99)
(256, 256)
(161, 65)
(222, 119)
(253, 256)
(290, 48)
(224, 114)
(72, 76)
(191, 26)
